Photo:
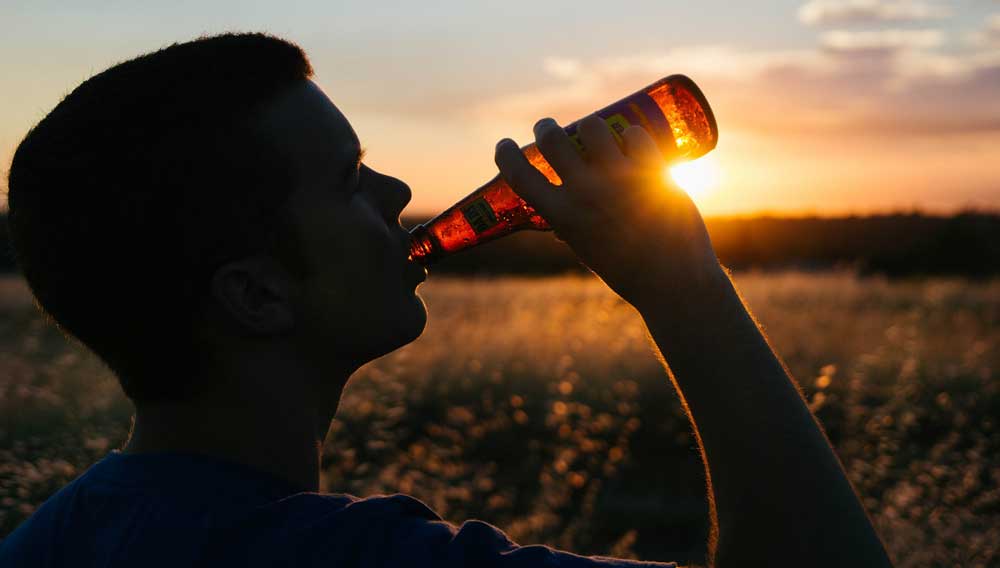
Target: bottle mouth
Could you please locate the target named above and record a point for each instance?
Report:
(422, 249)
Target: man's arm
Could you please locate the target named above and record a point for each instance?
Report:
(780, 494)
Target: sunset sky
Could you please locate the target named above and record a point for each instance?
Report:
(823, 106)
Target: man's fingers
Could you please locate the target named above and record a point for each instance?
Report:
(526, 180)
(558, 150)
(642, 149)
(600, 145)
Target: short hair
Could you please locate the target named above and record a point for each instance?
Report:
(142, 181)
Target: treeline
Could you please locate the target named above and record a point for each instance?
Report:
(896, 245)
(902, 244)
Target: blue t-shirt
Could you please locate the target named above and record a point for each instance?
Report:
(177, 509)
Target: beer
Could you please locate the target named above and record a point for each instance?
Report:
(673, 110)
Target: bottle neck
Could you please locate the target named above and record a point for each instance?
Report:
(423, 248)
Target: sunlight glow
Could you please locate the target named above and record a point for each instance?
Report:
(698, 178)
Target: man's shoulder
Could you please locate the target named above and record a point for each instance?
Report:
(32, 538)
(301, 529)
(352, 521)
(400, 530)
(308, 510)
(320, 529)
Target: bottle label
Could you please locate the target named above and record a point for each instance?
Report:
(479, 215)
(639, 109)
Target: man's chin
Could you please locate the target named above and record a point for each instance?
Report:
(417, 320)
(408, 326)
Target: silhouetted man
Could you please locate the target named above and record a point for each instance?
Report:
(201, 218)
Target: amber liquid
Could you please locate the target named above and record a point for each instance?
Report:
(685, 130)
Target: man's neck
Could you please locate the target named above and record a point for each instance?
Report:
(282, 436)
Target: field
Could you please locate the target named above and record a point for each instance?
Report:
(537, 405)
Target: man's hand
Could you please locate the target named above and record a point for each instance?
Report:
(641, 234)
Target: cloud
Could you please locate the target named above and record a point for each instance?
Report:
(911, 82)
(562, 67)
(838, 89)
(823, 12)
(881, 40)
(919, 66)
(990, 34)
(577, 87)
(716, 60)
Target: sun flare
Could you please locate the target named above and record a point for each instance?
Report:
(698, 178)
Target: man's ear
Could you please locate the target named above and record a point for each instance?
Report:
(256, 293)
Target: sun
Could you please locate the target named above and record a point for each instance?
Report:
(698, 178)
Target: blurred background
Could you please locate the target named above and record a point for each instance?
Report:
(854, 192)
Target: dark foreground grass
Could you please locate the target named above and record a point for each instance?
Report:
(537, 405)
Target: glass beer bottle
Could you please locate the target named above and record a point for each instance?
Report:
(673, 110)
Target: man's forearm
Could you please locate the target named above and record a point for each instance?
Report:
(780, 493)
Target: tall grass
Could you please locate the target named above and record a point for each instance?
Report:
(536, 404)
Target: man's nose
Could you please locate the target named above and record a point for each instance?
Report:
(395, 196)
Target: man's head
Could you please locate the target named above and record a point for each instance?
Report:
(205, 201)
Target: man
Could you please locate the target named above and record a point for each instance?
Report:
(201, 218)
